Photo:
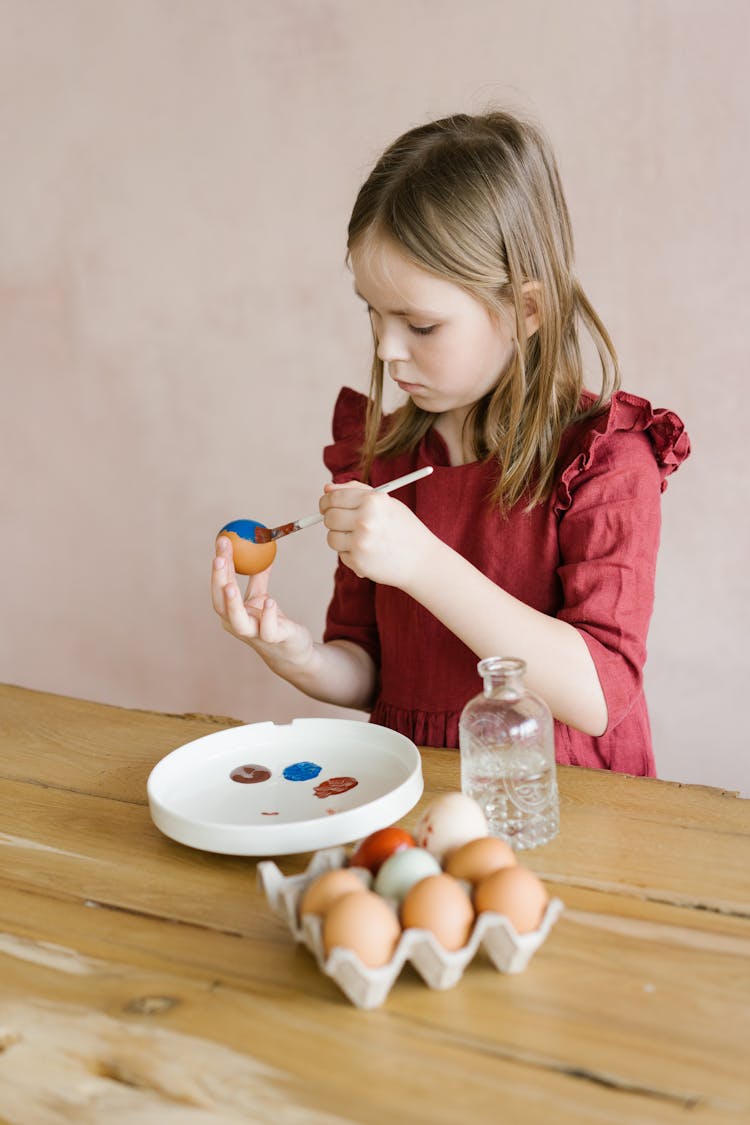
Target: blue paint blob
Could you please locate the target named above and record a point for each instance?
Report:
(243, 529)
(302, 771)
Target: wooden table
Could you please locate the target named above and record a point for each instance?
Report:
(142, 981)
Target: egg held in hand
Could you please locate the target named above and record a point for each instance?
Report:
(249, 557)
(365, 924)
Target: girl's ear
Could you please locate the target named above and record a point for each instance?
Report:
(532, 311)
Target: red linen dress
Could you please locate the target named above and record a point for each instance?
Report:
(587, 555)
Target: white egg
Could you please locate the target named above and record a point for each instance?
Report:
(449, 822)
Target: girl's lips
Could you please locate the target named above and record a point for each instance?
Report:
(410, 388)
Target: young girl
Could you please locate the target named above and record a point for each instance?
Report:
(536, 534)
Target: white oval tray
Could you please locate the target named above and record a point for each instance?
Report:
(193, 799)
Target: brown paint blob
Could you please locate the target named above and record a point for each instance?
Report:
(250, 775)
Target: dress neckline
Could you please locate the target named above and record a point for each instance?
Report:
(435, 450)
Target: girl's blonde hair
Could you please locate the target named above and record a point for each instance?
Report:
(477, 200)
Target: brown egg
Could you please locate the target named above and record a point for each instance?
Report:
(365, 924)
(441, 905)
(515, 892)
(320, 895)
(479, 858)
(249, 557)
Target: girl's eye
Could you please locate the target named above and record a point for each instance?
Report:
(422, 331)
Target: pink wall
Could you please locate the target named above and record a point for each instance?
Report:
(176, 319)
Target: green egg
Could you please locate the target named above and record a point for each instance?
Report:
(402, 870)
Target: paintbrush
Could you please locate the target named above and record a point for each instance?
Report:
(268, 534)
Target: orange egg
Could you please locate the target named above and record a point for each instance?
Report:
(439, 904)
(320, 895)
(249, 557)
(517, 893)
(365, 924)
(479, 858)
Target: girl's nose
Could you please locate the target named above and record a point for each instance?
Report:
(392, 345)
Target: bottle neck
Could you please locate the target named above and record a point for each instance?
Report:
(503, 677)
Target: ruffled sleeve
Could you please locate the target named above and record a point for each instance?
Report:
(342, 458)
(351, 612)
(608, 504)
(627, 413)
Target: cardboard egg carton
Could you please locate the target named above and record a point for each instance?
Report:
(440, 969)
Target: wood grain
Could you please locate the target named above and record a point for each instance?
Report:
(142, 980)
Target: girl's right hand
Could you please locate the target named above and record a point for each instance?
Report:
(257, 619)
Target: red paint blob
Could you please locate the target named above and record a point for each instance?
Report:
(334, 786)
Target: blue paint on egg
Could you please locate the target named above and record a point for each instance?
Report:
(302, 771)
(243, 529)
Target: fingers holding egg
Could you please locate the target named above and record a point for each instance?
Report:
(222, 573)
(237, 618)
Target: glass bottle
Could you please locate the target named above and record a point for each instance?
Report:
(506, 737)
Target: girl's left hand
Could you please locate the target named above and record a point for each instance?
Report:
(374, 534)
